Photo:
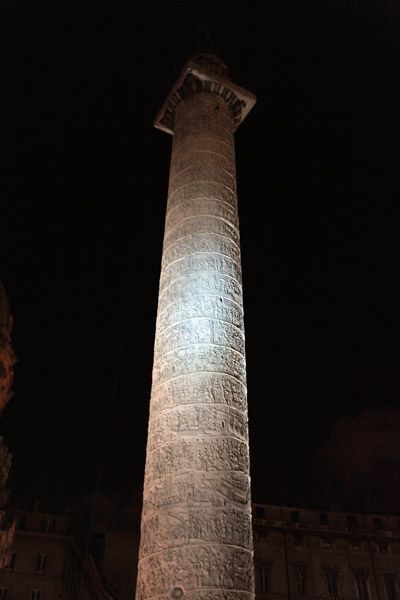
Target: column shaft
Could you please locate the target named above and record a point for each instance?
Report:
(196, 540)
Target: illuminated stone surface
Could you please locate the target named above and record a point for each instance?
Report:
(196, 540)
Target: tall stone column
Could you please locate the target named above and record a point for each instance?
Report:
(196, 538)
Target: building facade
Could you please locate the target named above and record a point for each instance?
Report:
(301, 553)
(47, 563)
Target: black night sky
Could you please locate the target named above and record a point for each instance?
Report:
(82, 222)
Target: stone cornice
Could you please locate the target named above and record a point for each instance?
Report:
(204, 76)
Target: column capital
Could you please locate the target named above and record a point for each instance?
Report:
(205, 73)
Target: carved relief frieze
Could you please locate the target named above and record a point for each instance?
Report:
(195, 567)
(180, 594)
(209, 388)
(196, 131)
(218, 595)
(199, 224)
(207, 454)
(197, 358)
(211, 307)
(182, 210)
(197, 489)
(196, 158)
(208, 190)
(209, 144)
(208, 262)
(198, 173)
(200, 284)
(192, 421)
(191, 526)
(198, 331)
(200, 243)
(193, 111)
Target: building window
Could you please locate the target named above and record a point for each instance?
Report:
(295, 516)
(351, 521)
(333, 591)
(323, 519)
(326, 543)
(36, 595)
(390, 586)
(21, 522)
(10, 566)
(3, 593)
(264, 579)
(260, 512)
(362, 587)
(378, 524)
(355, 545)
(260, 535)
(298, 541)
(301, 581)
(382, 548)
(41, 563)
(48, 526)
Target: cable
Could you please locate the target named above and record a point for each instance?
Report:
(107, 433)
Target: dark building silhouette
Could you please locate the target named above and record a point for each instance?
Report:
(325, 554)
(51, 560)
(299, 553)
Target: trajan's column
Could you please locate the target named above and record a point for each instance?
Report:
(196, 540)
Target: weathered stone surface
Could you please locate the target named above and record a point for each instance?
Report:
(199, 331)
(222, 567)
(200, 225)
(203, 144)
(206, 189)
(196, 359)
(207, 454)
(189, 526)
(199, 284)
(196, 158)
(198, 421)
(196, 540)
(218, 595)
(201, 243)
(201, 306)
(209, 262)
(197, 489)
(202, 206)
(202, 387)
(206, 127)
(214, 174)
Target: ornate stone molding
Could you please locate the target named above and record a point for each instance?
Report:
(205, 73)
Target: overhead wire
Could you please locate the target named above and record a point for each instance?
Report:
(106, 436)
